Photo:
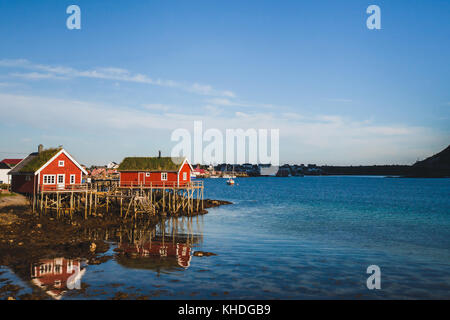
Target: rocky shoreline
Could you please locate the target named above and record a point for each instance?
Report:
(25, 237)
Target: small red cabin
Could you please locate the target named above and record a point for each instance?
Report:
(45, 170)
(155, 171)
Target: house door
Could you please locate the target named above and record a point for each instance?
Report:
(61, 181)
(141, 178)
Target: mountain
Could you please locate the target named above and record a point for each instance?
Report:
(433, 167)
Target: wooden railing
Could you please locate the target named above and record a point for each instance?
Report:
(162, 184)
(66, 187)
(123, 184)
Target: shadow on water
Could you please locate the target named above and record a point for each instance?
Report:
(163, 248)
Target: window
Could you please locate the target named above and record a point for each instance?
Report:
(163, 176)
(184, 175)
(72, 179)
(49, 179)
(147, 174)
(60, 178)
(61, 163)
(27, 178)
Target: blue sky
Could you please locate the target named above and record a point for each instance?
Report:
(339, 93)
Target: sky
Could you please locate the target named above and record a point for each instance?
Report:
(339, 93)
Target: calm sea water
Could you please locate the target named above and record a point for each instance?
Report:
(284, 238)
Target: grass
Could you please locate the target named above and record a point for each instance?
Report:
(148, 164)
(3, 194)
(40, 160)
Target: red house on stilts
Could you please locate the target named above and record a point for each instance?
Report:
(155, 171)
(46, 170)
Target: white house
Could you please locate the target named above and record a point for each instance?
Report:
(4, 177)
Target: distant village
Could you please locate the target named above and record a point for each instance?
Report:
(437, 165)
(224, 170)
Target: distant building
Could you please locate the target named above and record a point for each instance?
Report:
(198, 172)
(268, 170)
(112, 165)
(5, 166)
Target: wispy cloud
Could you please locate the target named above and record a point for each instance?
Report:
(158, 107)
(224, 102)
(42, 71)
(37, 76)
(313, 138)
(340, 100)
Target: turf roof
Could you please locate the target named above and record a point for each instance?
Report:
(149, 164)
(39, 160)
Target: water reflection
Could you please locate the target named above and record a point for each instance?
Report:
(165, 248)
(57, 276)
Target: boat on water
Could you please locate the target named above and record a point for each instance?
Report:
(230, 182)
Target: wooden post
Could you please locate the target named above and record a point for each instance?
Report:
(164, 198)
(86, 204)
(121, 203)
(57, 204)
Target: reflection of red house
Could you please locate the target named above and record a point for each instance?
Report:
(58, 275)
(181, 251)
(51, 169)
(154, 171)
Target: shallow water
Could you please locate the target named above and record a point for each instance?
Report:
(283, 238)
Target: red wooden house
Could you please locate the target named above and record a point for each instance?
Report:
(51, 169)
(155, 171)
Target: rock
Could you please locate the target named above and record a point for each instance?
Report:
(39, 225)
(203, 253)
(11, 298)
(92, 247)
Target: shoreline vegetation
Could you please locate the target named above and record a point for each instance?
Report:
(26, 237)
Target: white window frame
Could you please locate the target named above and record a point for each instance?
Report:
(64, 179)
(184, 176)
(49, 179)
(61, 163)
(72, 177)
(163, 176)
(147, 174)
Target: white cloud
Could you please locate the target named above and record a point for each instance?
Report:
(330, 138)
(109, 73)
(37, 76)
(158, 107)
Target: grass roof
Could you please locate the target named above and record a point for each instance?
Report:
(149, 164)
(39, 160)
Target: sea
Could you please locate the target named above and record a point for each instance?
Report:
(312, 237)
